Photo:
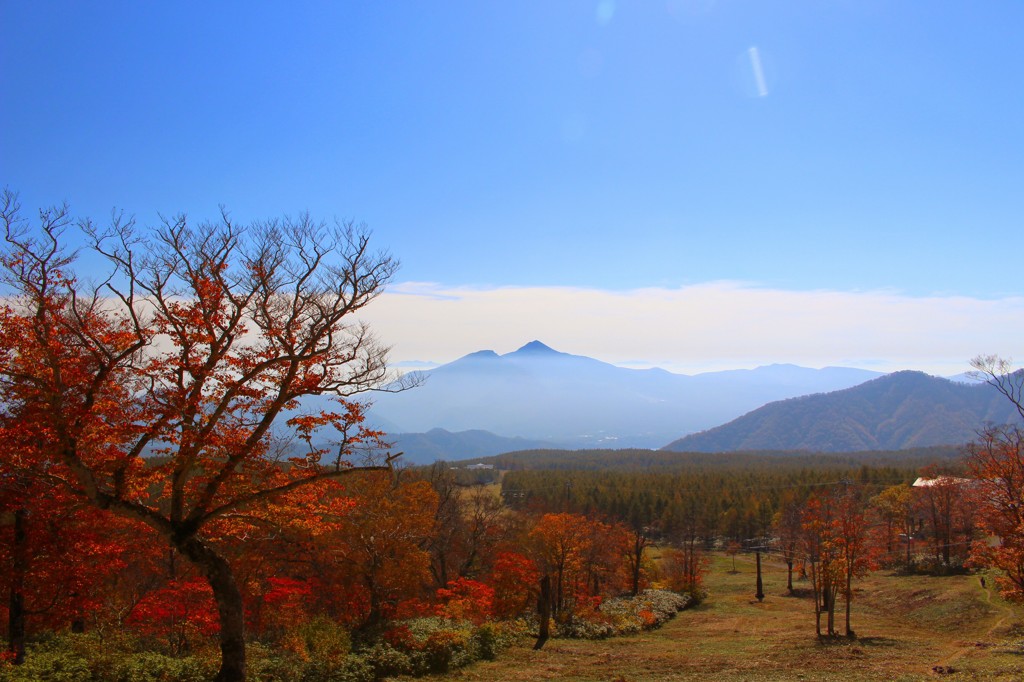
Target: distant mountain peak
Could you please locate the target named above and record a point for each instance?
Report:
(481, 355)
(557, 397)
(536, 348)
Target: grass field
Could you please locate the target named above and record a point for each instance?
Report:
(908, 628)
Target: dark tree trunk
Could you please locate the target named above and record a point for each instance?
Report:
(544, 611)
(558, 601)
(78, 622)
(849, 596)
(439, 568)
(759, 595)
(373, 618)
(832, 611)
(816, 585)
(16, 604)
(229, 606)
(638, 557)
(789, 575)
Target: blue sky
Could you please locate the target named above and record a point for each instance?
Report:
(696, 184)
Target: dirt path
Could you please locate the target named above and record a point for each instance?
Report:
(945, 665)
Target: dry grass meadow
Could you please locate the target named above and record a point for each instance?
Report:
(908, 628)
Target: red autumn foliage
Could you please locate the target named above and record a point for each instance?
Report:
(996, 461)
(183, 611)
(466, 599)
(513, 578)
(199, 341)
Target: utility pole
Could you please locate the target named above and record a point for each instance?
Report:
(760, 587)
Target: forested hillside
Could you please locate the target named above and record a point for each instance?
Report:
(723, 496)
(666, 460)
(900, 410)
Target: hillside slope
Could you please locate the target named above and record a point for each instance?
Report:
(900, 410)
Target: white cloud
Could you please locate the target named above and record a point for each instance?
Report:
(715, 325)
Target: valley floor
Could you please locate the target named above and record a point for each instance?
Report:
(908, 628)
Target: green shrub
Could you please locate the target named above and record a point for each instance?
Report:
(387, 661)
(270, 665)
(155, 667)
(71, 657)
(488, 640)
(586, 628)
(354, 669)
(419, 646)
(351, 669)
(625, 615)
(92, 658)
(447, 648)
(47, 665)
(321, 639)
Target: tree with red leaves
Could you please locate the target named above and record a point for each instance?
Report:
(821, 549)
(194, 347)
(56, 561)
(857, 554)
(835, 539)
(996, 463)
(513, 578)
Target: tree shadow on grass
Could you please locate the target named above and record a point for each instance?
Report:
(840, 641)
(884, 642)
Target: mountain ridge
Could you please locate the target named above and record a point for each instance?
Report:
(539, 393)
(896, 411)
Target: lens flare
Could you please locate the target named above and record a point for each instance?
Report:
(758, 70)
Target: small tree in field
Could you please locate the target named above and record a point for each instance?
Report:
(819, 544)
(683, 569)
(193, 345)
(835, 538)
(894, 508)
(787, 527)
(732, 548)
(857, 554)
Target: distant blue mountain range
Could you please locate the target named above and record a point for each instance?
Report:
(545, 396)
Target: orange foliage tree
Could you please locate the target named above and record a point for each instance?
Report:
(380, 544)
(560, 542)
(996, 462)
(195, 346)
(894, 509)
(584, 557)
(857, 554)
(819, 546)
(835, 540)
(786, 525)
(948, 507)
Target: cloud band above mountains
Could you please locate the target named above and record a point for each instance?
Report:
(702, 327)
